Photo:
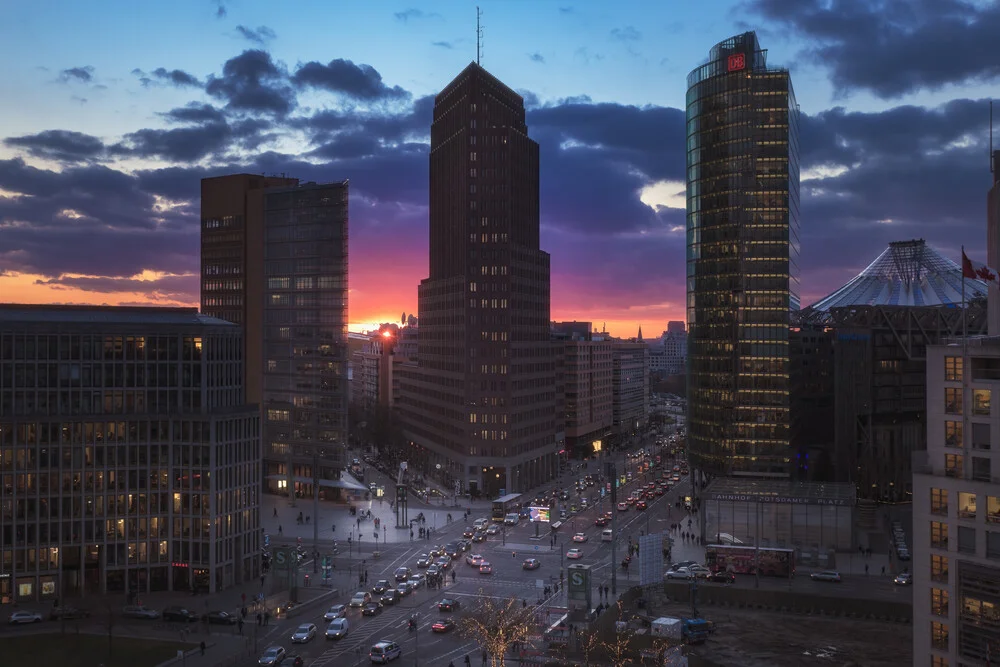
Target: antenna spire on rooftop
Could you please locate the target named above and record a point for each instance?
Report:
(479, 35)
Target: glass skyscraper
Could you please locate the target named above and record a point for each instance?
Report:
(742, 259)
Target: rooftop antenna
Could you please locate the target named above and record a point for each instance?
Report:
(479, 37)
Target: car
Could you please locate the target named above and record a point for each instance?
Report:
(531, 564)
(493, 529)
(424, 560)
(679, 573)
(443, 625)
(416, 581)
(436, 552)
(272, 656)
(723, 577)
(601, 521)
(304, 633)
(220, 618)
(474, 560)
(574, 554)
(337, 629)
(22, 617)
(485, 568)
(683, 563)
(468, 532)
(479, 537)
(465, 544)
(402, 574)
(448, 604)
(360, 599)
(179, 614)
(700, 571)
(67, 614)
(384, 651)
(452, 549)
(381, 586)
(138, 611)
(443, 563)
(335, 612)
(391, 596)
(903, 579)
(434, 569)
(659, 491)
(623, 507)
(826, 575)
(372, 609)
(640, 505)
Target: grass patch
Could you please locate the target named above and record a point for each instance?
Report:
(72, 650)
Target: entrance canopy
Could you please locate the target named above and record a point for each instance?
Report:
(345, 482)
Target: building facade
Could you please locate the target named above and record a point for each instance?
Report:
(274, 260)
(993, 242)
(956, 545)
(586, 389)
(130, 460)
(481, 400)
(742, 253)
(629, 388)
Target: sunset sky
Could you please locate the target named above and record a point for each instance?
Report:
(114, 111)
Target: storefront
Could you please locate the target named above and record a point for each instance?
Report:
(813, 518)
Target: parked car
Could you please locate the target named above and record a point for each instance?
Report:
(220, 618)
(384, 651)
(180, 614)
(335, 612)
(23, 617)
(679, 573)
(138, 611)
(826, 575)
(67, 613)
(272, 657)
(723, 577)
(304, 633)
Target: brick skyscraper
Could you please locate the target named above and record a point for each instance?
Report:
(481, 403)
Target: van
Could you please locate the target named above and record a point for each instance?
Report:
(607, 535)
(512, 519)
(481, 524)
(384, 651)
(337, 629)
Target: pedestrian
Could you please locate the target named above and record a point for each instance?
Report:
(243, 613)
(883, 570)
(260, 619)
(267, 617)
(467, 661)
(866, 569)
(366, 576)
(239, 624)
(202, 647)
(484, 657)
(275, 512)
(279, 529)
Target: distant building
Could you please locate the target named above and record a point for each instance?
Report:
(274, 256)
(630, 388)
(479, 404)
(677, 327)
(132, 460)
(956, 508)
(668, 353)
(586, 390)
(375, 361)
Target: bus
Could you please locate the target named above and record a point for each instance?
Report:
(740, 559)
(505, 505)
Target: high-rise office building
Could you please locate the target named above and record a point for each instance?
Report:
(993, 243)
(275, 255)
(480, 403)
(742, 250)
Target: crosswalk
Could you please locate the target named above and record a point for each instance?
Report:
(358, 641)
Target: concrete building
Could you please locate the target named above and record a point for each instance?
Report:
(668, 353)
(956, 508)
(630, 388)
(742, 260)
(375, 362)
(285, 246)
(131, 460)
(480, 402)
(586, 389)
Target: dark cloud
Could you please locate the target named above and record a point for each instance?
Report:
(184, 288)
(566, 10)
(261, 36)
(195, 113)
(183, 144)
(414, 14)
(894, 47)
(626, 34)
(443, 45)
(342, 76)
(252, 82)
(59, 145)
(83, 74)
(536, 57)
(162, 76)
(220, 8)
(346, 145)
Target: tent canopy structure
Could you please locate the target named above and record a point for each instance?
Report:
(345, 482)
(907, 273)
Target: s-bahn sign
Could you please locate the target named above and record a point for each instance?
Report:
(779, 500)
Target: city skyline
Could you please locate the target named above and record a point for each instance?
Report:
(102, 157)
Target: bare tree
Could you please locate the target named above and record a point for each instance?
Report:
(589, 642)
(496, 625)
(619, 647)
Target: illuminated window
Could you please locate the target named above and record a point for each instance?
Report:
(952, 434)
(993, 509)
(938, 661)
(939, 535)
(939, 635)
(953, 465)
(967, 505)
(939, 501)
(953, 369)
(981, 402)
(939, 568)
(953, 400)
(939, 602)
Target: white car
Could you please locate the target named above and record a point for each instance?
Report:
(700, 571)
(336, 611)
(337, 629)
(361, 598)
(474, 560)
(272, 656)
(680, 573)
(579, 537)
(19, 617)
(304, 633)
(574, 554)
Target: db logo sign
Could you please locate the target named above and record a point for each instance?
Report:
(736, 62)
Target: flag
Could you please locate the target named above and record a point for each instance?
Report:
(978, 271)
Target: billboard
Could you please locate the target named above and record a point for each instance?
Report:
(650, 559)
(540, 514)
